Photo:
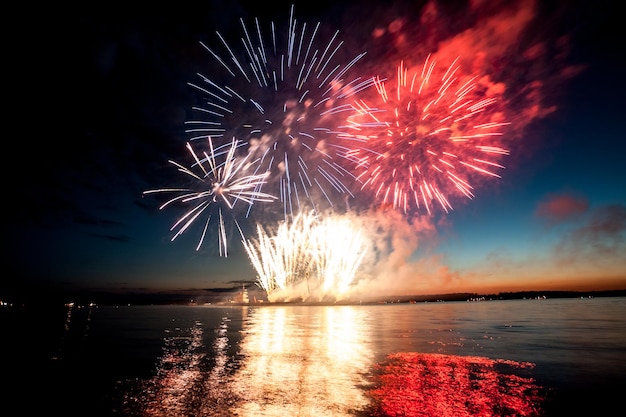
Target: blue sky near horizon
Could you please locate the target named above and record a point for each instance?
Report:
(556, 219)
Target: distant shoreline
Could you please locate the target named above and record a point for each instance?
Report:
(107, 299)
(452, 297)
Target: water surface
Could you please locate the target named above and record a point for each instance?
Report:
(547, 357)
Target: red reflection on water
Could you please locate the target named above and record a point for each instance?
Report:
(418, 384)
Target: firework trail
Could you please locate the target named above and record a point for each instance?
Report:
(283, 95)
(308, 258)
(427, 135)
(216, 185)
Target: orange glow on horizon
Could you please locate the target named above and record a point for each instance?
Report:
(548, 282)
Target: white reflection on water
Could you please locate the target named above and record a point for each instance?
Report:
(303, 362)
(191, 378)
(177, 372)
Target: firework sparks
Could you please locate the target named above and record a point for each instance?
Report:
(216, 184)
(427, 136)
(283, 95)
(322, 255)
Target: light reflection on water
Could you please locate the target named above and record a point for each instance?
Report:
(193, 374)
(325, 360)
(303, 361)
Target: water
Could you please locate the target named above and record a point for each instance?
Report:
(517, 357)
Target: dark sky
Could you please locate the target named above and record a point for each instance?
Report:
(101, 96)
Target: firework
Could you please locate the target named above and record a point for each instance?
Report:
(283, 95)
(427, 136)
(219, 181)
(308, 257)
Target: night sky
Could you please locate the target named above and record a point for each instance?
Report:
(102, 96)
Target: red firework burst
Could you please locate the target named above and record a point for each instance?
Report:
(428, 136)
